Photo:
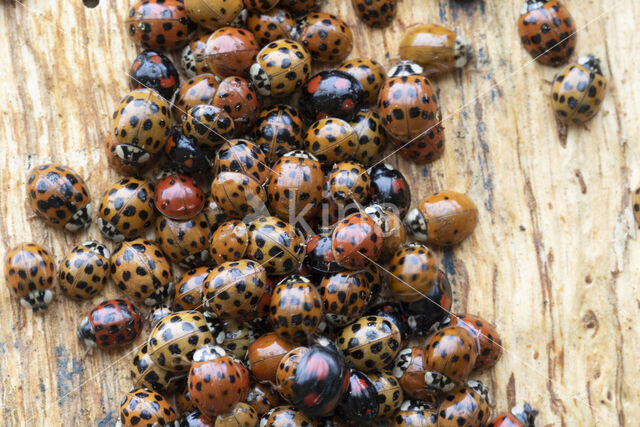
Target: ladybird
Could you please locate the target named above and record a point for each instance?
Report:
(326, 37)
(295, 309)
(158, 24)
(272, 25)
(174, 340)
(391, 311)
(193, 59)
(547, 31)
(240, 415)
(415, 413)
(200, 90)
(320, 256)
(142, 407)
(282, 67)
(488, 342)
(126, 209)
(262, 397)
(285, 416)
(208, 126)
(356, 241)
(409, 370)
(213, 14)
(238, 195)
(286, 373)
(435, 48)
(241, 155)
(301, 6)
(392, 227)
(211, 386)
(413, 272)
(465, 406)
(29, 271)
(371, 137)
(295, 186)
(331, 93)
(371, 343)
(229, 242)
(578, 91)
(260, 5)
(141, 271)
(360, 401)
(265, 354)
(390, 395)
(444, 218)
(155, 71)
(424, 148)
(187, 292)
(146, 374)
(185, 155)
(321, 380)
(389, 188)
(345, 296)
(231, 51)
(141, 125)
(239, 99)
(433, 308)
(111, 324)
(375, 13)
(237, 338)
(371, 75)
(60, 196)
(278, 131)
(125, 168)
(233, 288)
(276, 245)
(184, 242)
(183, 401)
(520, 416)
(84, 271)
(449, 357)
(331, 140)
(349, 182)
(178, 197)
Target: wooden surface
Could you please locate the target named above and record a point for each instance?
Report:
(551, 261)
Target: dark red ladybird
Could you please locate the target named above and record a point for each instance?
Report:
(356, 241)
(111, 324)
(331, 93)
(179, 197)
(155, 71)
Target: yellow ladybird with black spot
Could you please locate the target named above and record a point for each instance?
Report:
(390, 395)
(145, 373)
(29, 271)
(371, 343)
(142, 404)
(413, 272)
(281, 67)
(126, 208)
(184, 242)
(275, 244)
(84, 271)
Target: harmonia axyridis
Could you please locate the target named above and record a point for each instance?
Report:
(146, 374)
(213, 14)
(238, 336)
(243, 156)
(371, 137)
(197, 91)
(578, 91)
(185, 154)
(286, 373)
(371, 343)
(142, 407)
(465, 406)
(449, 357)
(345, 296)
(435, 48)
(415, 413)
(520, 416)
(424, 148)
(60, 196)
(295, 186)
(141, 125)
(29, 271)
(547, 31)
(141, 271)
(232, 289)
(260, 5)
(327, 37)
(282, 67)
(408, 368)
(331, 93)
(183, 401)
(360, 402)
(413, 272)
(84, 271)
(187, 293)
(276, 24)
(111, 324)
(390, 395)
(179, 197)
(488, 342)
(216, 381)
(348, 182)
(276, 245)
(389, 188)
(295, 309)
(184, 242)
(158, 24)
(278, 131)
(239, 100)
(393, 229)
(320, 256)
(262, 397)
(153, 70)
(265, 354)
(125, 168)
(126, 209)
(375, 13)
(431, 310)
(444, 218)
(393, 312)
(369, 73)
(231, 51)
(356, 241)
(240, 415)
(174, 340)
(285, 416)
(229, 242)
(192, 58)
(331, 140)
(208, 126)
(238, 195)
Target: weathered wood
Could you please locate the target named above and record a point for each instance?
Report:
(551, 261)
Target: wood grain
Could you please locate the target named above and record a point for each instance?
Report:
(553, 261)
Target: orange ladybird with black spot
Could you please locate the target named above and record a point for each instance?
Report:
(272, 25)
(229, 242)
(197, 91)
(281, 68)
(231, 51)
(371, 343)
(158, 24)
(370, 74)
(286, 373)
(466, 406)
(126, 209)
(208, 126)
(520, 416)
(276, 244)
(145, 373)
(413, 272)
(187, 292)
(296, 308)
(84, 271)
(326, 37)
(185, 242)
(345, 296)
(376, 13)
(238, 195)
(29, 271)
(449, 357)
(278, 130)
(213, 14)
(192, 58)
(237, 97)
(144, 407)
(243, 156)
(349, 182)
(489, 344)
(331, 140)
(286, 416)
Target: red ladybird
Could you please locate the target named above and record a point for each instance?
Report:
(356, 241)
(489, 344)
(231, 51)
(520, 416)
(179, 197)
(111, 324)
(449, 357)
(239, 99)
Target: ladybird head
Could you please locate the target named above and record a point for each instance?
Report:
(109, 230)
(208, 352)
(461, 52)
(97, 248)
(301, 154)
(132, 155)
(414, 405)
(591, 62)
(37, 300)
(260, 79)
(402, 362)
(436, 381)
(86, 333)
(405, 68)
(80, 220)
(525, 414)
(417, 224)
(481, 389)
(531, 5)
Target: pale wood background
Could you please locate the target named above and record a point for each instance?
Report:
(551, 262)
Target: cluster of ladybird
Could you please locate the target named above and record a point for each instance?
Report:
(267, 327)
